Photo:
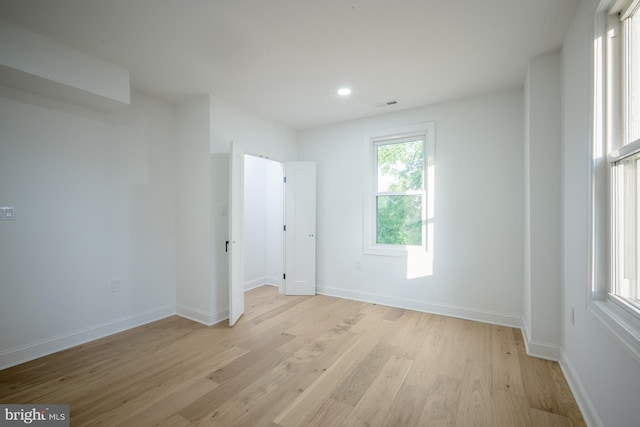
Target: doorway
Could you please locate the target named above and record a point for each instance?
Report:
(263, 246)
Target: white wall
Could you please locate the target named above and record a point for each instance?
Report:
(94, 202)
(263, 220)
(274, 237)
(542, 205)
(193, 197)
(34, 63)
(257, 135)
(479, 211)
(255, 199)
(219, 226)
(604, 376)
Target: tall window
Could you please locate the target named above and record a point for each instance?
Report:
(615, 215)
(400, 191)
(625, 165)
(397, 197)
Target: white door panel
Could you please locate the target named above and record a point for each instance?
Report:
(236, 220)
(300, 234)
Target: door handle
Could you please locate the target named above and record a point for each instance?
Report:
(226, 246)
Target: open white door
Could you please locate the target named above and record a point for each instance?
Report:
(300, 228)
(236, 219)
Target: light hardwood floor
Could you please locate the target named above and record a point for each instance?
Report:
(302, 361)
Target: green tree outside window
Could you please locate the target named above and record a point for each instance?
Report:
(400, 187)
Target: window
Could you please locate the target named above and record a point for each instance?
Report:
(616, 167)
(397, 196)
(624, 162)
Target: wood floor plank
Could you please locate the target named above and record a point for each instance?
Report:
(547, 419)
(538, 382)
(330, 413)
(293, 361)
(510, 409)
(277, 309)
(475, 397)
(479, 342)
(410, 334)
(567, 405)
(184, 377)
(443, 397)
(507, 375)
(378, 399)
(234, 380)
(351, 390)
(290, 378)
(407, 407)
(311, 399)
(165, 408)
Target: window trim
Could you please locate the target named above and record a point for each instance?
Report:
(426, 131)
(615, 314)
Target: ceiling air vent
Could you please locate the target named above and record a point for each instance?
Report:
(387, 103)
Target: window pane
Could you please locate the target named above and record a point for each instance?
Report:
(400, 166)
(626, 223)
(399, 220)
(632, 83)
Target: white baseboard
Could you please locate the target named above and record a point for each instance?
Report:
(540, 349)
(273, 281)
(205, 317)
(255, 283)
(587, 409)
(25, 353)
(443, 309)
(261, 281)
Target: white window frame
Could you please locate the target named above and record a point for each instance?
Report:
(425, 131)
(619, 317)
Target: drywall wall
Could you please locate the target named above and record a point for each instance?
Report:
(255, 199)
(42, 66)
(257, 135)
(217, 256)
(542, 205)
(274, 237)
(263, 220)
(479, 211)
(603, 374)
(193, 197)
(94, 204)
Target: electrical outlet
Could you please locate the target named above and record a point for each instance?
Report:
(115, 286)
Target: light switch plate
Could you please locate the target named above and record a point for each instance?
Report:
(7, 213)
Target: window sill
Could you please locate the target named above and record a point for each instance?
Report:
(394, 250)
(387, 250)
(620, 323)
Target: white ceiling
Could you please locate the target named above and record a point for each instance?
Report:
(285, 59)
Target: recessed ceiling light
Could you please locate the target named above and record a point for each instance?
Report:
(344, 91)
